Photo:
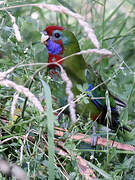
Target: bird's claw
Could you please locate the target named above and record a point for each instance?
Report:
(94, 140)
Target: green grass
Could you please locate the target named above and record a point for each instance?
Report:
(113, 23)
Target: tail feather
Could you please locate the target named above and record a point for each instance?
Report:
(125, 128)
(119, 102)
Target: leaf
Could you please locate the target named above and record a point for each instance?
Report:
(86, 101)
(50, 123)
(100, 171)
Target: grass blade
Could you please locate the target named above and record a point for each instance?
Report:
(50, 123)
(100, 171)
(64, 3)
(114, 11)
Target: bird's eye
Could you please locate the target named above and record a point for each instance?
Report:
(57, 35)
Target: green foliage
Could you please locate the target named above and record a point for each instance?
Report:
(50, 123)
(113, 23)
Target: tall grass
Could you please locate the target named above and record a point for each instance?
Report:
(28, 140)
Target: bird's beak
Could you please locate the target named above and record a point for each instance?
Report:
(44, 37)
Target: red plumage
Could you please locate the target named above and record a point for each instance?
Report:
(50, 29)
(54, 58)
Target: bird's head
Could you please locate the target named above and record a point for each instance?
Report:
(60, 43)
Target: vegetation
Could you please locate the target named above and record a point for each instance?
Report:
(26, 134)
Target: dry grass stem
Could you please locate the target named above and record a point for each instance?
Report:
(103, 52)
(15, 27)
(65, 10)
(25, 91)
(69, 93)
(5, 73)
(8, 139)
(78, 17)
(13, 106)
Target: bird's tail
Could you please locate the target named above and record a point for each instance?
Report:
(125, 128)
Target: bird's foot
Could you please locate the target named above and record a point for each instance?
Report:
(94, 137)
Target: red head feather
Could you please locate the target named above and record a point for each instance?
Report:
(54, 57)
(50, 29)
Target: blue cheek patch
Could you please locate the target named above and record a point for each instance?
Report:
(53, 48)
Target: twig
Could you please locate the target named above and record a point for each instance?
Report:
(83, 167)
(100, 141)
